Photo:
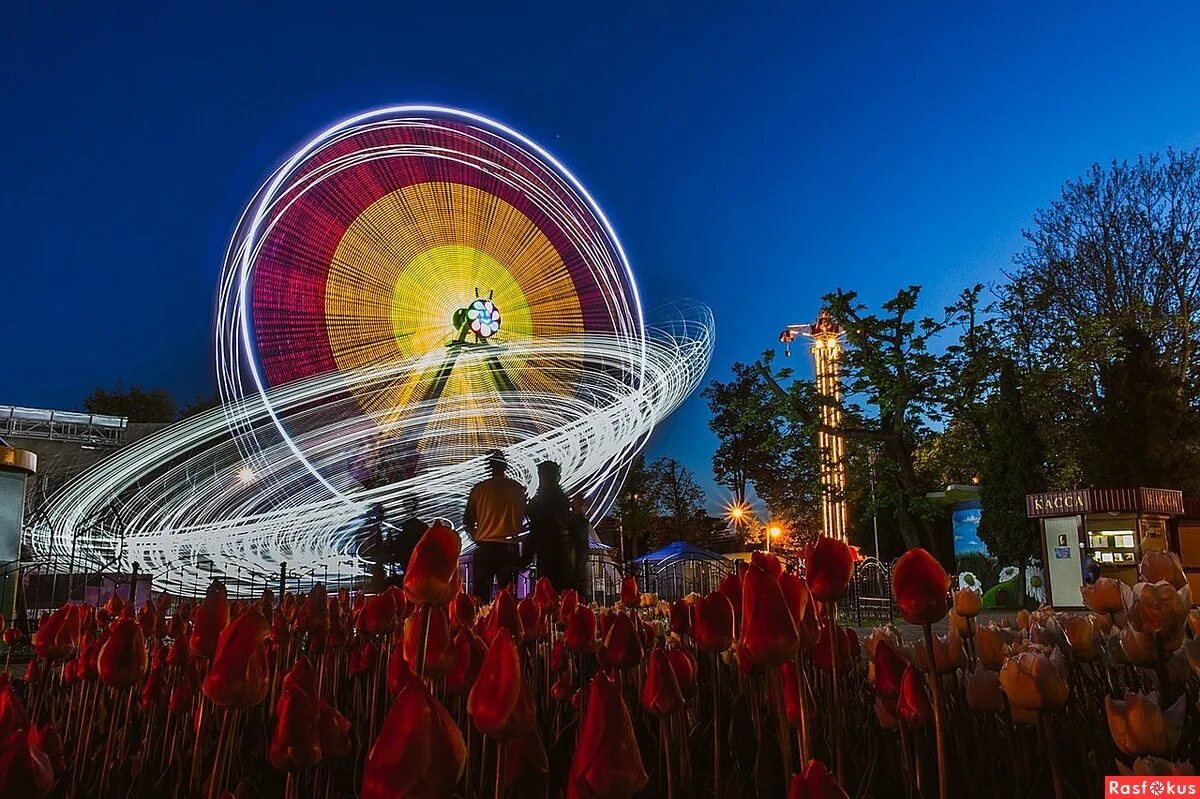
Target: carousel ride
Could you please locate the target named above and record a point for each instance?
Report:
(414, 288)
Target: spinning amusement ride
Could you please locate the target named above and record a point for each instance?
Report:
(413, 288)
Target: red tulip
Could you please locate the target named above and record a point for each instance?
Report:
(681, 617)
(822, 656)
(631, 596)
(683, 663)
(580, 636)
(334, 729)
(210, 620)
(525, 762)
(239, 676)
(545, 596)
(33, 672)
(731, 588)
(182, 696)
(295, 742)
(155, 689)
(622, 645)
(921, 587)
(399, 675)
(25, 770)
(815, 783)
(379, 614)
(769, 634)
(607, 762)
(178, 654)
(531, 619)
(313, 617)
(123, 660)
(462, 610)
(563, 687)
(504, 616)
(439, 645)
(500, 703)
(12, 712)
(795, 687)
(829, 569)
(889, 670)
(58, 635)
(469, 653)
(661, 695)
(432, 576)
(362, 659)
(419, 753)
(712, 623)
(913, 704)
(48, 740)
(567, 604)
(11, 636)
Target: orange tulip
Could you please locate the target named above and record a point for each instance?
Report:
(769, 634)
(580, 636)
(58, 636)
(913, 704)
(239, 676)
(622, 644)
(500, 704)
(295, 743)
(123, 660)
(631, 597)
(209, 621)
(829, 569)
(815, 782)
(607, 762)
(25, 770)
(661, 695)
(419, 752)
(921, 587)
(712, 625)
(432, 576)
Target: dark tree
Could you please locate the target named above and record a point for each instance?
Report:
(138, 405)
(679, 502)
(636, 508)
(1012, 467)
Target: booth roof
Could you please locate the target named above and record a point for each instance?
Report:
(679, 550)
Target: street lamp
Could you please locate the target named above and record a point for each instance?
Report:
(772, 532)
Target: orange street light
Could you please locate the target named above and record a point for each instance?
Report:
(773, 531)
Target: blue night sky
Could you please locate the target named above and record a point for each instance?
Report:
(751, 161)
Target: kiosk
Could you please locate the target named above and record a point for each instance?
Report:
(15, 466)
(1110, 526)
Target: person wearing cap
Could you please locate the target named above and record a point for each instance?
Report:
(550, 530)
(494, 517)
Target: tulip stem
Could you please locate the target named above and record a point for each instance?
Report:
(1048, 732)
(938, 721)
(716, 723)
(499, 768)
(112, 724)
(424, 641)
(663, 733)
(218, 765)
(839, 729)
(802, 731)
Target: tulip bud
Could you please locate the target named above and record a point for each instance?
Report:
(1139, 725)
(622, 645)
(580, 636)
(123, 660)
(25, 770)
(462, 610)
(379, 614)
(890, 667)
(182, 696)
(630, 595)
(567, 604)
(469, 652)
(683, 663)
(11, 636)
(545, 596)
(504, 616)
(1034, 681)
(240, 676)
(660, 693)
(968, 603)
(211, 619)
(920, 585)
(681, 617)
(830, 567)
(607, 763)
(432, 576)
(531, 619)
(913, 703)
(58, 635)
(731, 588)
(295, 743)
(439, 645)
(769, 634)
(334, 729)
(419, 752)
(1104, 595)
(500, 704)
(1161, 566)
(712, 626)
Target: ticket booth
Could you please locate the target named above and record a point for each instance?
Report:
(1110, 526)
(15, 466)
(1187, 543)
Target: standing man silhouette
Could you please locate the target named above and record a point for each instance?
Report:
(494, 516)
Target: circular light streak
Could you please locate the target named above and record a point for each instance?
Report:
(415, 287)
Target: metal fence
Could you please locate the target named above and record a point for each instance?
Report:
(870, 597)
(676, 577)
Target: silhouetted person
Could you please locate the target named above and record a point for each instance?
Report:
(581, 540)
(404, 541)
(495, 513)
(550, 530)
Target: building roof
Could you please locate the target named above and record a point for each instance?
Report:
(679, 550)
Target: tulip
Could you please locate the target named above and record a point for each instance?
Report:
(886, 714)
(1034, 681)
(990, 641)
(295, 743)
(1161, 566)
(530, 614)
(580, 636)
(681, 617)
(12, 712)
(182, 696)
(822, 656)
(462, 610)
(687, 671)
(1139, 726)
(769, 634)
(948, 654)
(607, 762)
(437, 642)
(1158, 608)
(968, 603)
(661, 695)
(1151, 766)
(500, 704)
(1080, 632)
(525, 762)
(25, 770)
(1135, 647)
(209, 621)
(815, 782)
(47, 739)
(544, 595)
(830, 567)
(983, 691)
(379, 614)
(420, 751)
(795, 687)
(58, 635)
(913, 703)
(622, 644)
(334, 729)
(12, 636)
(712, 625)
(889, 669)
(630, 595)
(155, 689)
(432, 576)
(504, 616)
(920, 585)
(1104, 595)
(731, 588)
(239, 676)
(123, 660)
(567, 604)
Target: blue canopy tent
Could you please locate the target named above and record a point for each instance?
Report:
(679, 568)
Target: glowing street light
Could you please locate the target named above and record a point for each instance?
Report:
(773, 531)
(245, 475)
